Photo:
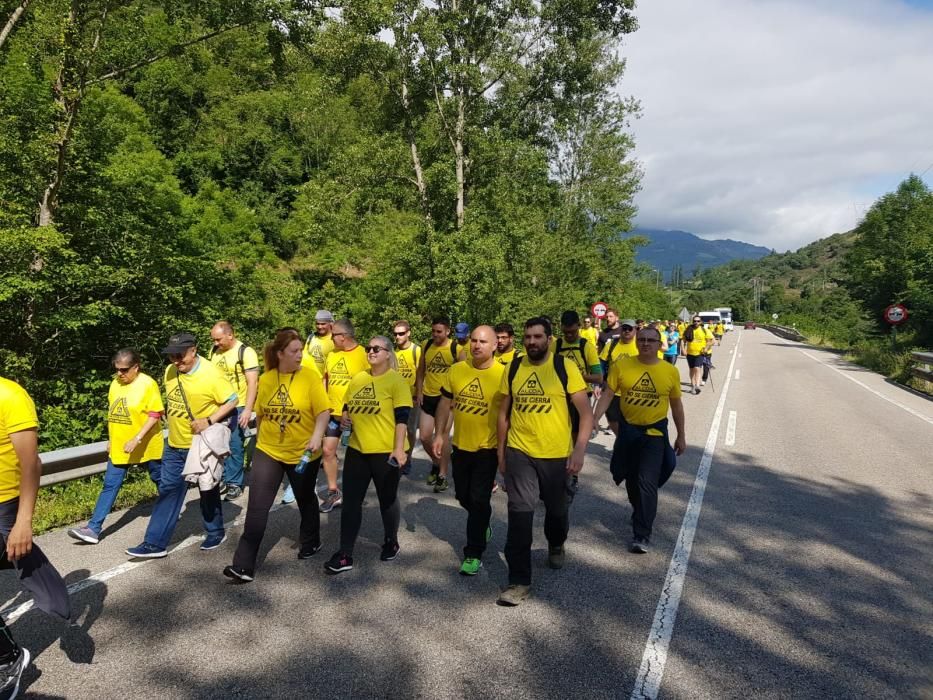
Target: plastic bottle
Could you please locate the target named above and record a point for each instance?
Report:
(303, 462)
(345, 436)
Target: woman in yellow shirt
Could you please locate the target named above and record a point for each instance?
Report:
(376, 406)
(134, 414)
(292, 410)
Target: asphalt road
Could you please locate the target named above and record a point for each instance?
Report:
(809, 575)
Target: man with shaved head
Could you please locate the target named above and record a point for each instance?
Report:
(471, 393)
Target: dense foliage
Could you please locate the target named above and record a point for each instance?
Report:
(164, 164)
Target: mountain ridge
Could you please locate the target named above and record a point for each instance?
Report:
(670, 249)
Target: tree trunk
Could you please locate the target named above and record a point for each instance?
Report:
(415, 155)
(11, 22)
(459, 130)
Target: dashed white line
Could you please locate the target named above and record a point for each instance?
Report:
(868, 388)
(651, 671)
(730, 427)
(737, 373)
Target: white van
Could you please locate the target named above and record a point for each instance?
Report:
(709, 318)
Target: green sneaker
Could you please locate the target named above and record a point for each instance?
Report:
(441, 484)
(489, 533)
(470, 567)
(432, 478)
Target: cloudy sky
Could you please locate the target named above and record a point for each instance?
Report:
(778, 122)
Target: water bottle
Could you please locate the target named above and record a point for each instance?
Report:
(345, 436)
(303, 462)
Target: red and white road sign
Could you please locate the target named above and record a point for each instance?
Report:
(896, 314)
(599, 309)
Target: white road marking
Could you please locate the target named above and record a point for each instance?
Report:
(648, 680)
(737, 373)
(13, 614)
(740, 354)
(730, 428)
(868, 388)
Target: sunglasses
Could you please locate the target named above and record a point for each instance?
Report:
(628, 329)
(375, 349)
(398, 335)
(124, 370)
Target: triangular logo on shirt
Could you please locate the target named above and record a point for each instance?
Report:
(339, 368)
(473, 390)
(175, 395)
(367, 392)
(645, 384)
(119, 413)
(281, 397)
(317, 353)
(438, 363)
(531, 387)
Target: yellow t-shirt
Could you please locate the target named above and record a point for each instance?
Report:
(476, 398)
(229, 363)
(505, 358)
(206, 389)
(130, 406)
(644, 391)
(316, 351)
(587, 360)
(371, 403)
(17, 413)
(408, 364)
(342, 366)
(621, 350)
(289, 404)
(591, 335)
(681, 327)
(540, 420)
(719, 330)
(698, 344)
(437, 362)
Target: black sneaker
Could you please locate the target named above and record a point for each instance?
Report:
(11, 673)
(233, 492)
(238, 573)
(441, 484)
(338, 563)
(639, 545)
(389, 550)
(223, 488)
(309, 550)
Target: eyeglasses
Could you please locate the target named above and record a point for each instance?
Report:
(696, 320)
(334, 335)
(375, 349)
(398, 335)
(124, 370)
(647, 340)
(628, 329)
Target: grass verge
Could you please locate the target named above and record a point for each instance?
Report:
(73, 501)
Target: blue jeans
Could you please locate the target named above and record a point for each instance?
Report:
(113, 480)
(172, 490)
(233, 465)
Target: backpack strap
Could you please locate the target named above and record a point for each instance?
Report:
(453, 350)
(612, 346)
(181, 390)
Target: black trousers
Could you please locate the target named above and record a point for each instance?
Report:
(474, 474)
(263, 487)
(358, 470)
(643, 489)
(526, 480)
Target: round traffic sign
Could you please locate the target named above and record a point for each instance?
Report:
(599, 309)
(895, 314)
(774, 316)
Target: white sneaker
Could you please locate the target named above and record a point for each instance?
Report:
(702, 383)
(11, 673)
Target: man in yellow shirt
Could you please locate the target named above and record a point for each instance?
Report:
(589, 332)
(471, 390)
(642, 455)
(346, 361)
(536, 454)
(407, 354)
(572, 346)
(505, 344)
(438, 355)
(197, 395)
(240, 364)
(697, 342)
(623, 345)
(20, 470)
(319, 344)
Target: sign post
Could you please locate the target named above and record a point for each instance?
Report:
(895, 315)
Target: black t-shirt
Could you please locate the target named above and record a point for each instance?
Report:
(608, 335)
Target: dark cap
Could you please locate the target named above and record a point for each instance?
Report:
(569, 318)
(180, 342)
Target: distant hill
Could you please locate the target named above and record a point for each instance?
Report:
(669, 249)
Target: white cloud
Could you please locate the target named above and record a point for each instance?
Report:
(777, 121)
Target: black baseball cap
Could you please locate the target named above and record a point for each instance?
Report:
(180, 342)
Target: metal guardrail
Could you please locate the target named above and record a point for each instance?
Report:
(784, 332)
(73, 463)
(924, 368)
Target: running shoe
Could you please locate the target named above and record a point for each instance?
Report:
(331, 501)
(309, 550)
(233, 492)
(338, 563)
(639, 545)
(213, 542)
(389, 550)
(441, 484)
(85, 534)
(555, 557)
(223, 488)
(238, 573)
(432, 478)
(11, 673)
(147, 551)
(470, 566)
(289, 495)
(513, 595)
